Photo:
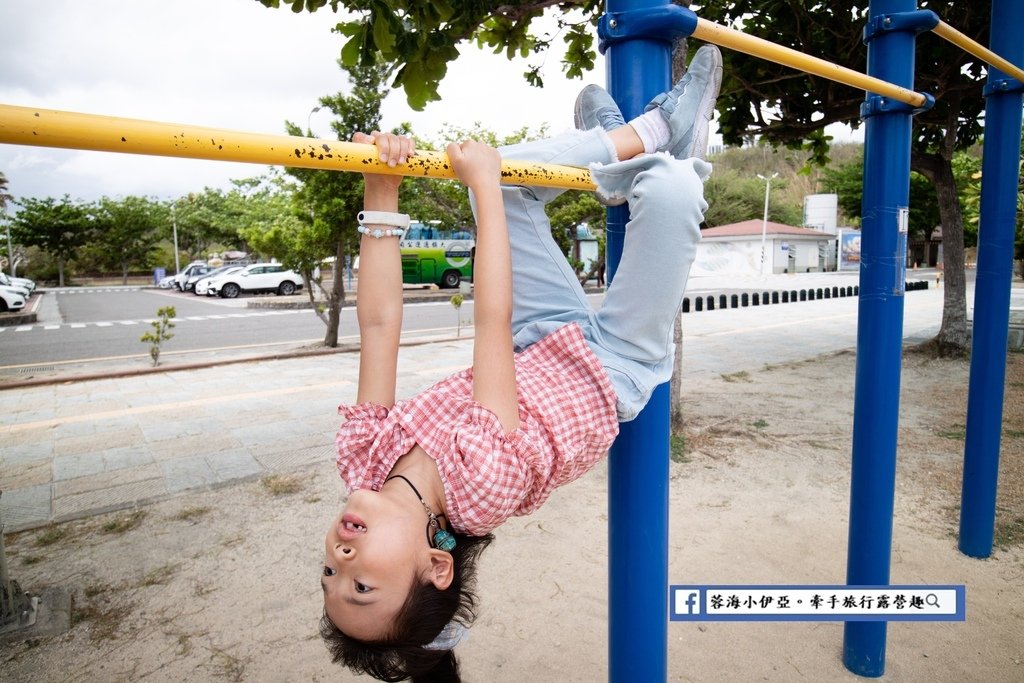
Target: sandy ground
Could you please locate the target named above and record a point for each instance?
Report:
(223, 585)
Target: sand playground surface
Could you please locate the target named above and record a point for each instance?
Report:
(223, 585)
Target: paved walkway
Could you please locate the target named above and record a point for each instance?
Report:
(74, 449)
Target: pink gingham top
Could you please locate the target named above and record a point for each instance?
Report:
(567, 423)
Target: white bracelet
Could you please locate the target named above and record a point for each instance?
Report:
(398, 220)
(378, 233)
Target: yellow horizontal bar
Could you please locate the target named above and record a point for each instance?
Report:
(711, 32)
(70, 130)
(944, 30)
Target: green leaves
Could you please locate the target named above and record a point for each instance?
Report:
(419, 38)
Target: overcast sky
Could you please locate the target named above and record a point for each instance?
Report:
(220, 63)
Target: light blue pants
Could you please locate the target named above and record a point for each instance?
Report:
(632, 333)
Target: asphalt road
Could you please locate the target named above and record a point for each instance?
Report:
(87, 324)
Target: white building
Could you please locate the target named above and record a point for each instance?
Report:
(736, 249)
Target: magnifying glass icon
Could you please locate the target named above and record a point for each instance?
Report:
(932, 600)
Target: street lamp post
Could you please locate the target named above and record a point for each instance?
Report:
(174, 229)
(764, 223)
(10, 245)
(309, 121)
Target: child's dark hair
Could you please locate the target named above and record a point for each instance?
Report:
(426, 611)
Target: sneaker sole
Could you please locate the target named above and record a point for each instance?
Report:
(706, 110)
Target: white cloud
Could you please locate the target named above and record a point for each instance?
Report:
(228, 64)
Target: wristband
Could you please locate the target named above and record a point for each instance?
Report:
(398, 220)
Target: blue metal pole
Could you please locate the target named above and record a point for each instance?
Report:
(637, 41)
(879, 328)
(1000, 176)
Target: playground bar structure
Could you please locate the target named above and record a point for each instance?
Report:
(52, 128)
(1000, 177)
(637, 37)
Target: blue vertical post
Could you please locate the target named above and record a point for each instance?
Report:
(637, 38)
(1000, 175)
(879, 325)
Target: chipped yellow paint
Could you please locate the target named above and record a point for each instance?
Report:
(947, 32)
(71, 130)
(765, 49)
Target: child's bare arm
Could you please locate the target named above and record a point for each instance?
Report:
(494, 373)
(379, 301)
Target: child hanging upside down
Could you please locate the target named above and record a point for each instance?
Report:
(431, 476)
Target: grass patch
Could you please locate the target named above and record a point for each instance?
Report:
(104, 620)
(1013, 433)
(1010, 533)
(677, 449)
(956, 433)
(191, 514)
(760, 423)
(30, 560)
(159, 576)
(741, 376)
(123, 523)
(95, 589)
(51, 535)
(282, 484)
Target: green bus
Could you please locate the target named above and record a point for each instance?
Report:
(432, 255)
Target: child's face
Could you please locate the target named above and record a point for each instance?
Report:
(374, 551)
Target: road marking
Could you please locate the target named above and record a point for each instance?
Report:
(192, 318)
(163, 354)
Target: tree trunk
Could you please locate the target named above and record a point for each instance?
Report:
(336, 299)
(60, 271)
(953, 339)
(124, 272)
(676, 384)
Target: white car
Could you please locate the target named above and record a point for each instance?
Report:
(194, 268)
(202, 285)
(11, 299)
(258, 277)
(19, 283)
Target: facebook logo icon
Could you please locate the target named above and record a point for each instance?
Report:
(686, 602)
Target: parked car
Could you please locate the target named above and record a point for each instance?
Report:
(18, 283)
(10, 299)
(190, 282)
(258, 277)
(167, 282)
(201, 286)
(189, 270)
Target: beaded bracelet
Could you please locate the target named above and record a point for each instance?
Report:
(400, 221)
(378, 233)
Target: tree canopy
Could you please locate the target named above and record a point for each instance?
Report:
(422, 37)
(57, 227)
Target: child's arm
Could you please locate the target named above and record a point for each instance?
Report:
(379, 300)
(494, 375)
